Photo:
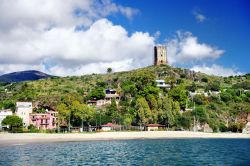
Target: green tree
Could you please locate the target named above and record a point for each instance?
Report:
(128, 88)
(213, 86)
(7, 104)
(149, 90)
(97, 93)
(82, 111)
(243, 85)
(204, 79)
(64, 114)
(15, 123)
(143, 79)
(200, 99)
(225, 96)
(143, 111)
(192, 88)
(200, 114)
(112, 111)
(171, 80)
(184, 121)
(109, 70)
(179, 94)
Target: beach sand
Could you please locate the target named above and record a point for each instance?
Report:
(25, 138)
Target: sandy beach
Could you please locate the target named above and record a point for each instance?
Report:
(24, 138)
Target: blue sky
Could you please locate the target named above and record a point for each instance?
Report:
(226, 24)
(87, 36)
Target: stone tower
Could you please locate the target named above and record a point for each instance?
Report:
(160, 55)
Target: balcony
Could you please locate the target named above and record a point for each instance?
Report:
(45, 123)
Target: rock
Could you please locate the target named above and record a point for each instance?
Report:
(246, 130)
(207, 129)
(203, 128)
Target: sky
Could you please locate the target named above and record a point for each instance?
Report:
(76, 37)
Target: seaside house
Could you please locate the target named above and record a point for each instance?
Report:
(3, 114)
(107, 127)
(45, 120)
(23, 110)
(154, 127)
(110, 126)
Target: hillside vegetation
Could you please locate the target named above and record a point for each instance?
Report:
(141, 101)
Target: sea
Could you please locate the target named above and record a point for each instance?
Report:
(163, 152)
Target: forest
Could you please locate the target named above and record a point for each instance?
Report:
(220, 102)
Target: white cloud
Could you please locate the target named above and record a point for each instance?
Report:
(46, 14)
(128, 12)
(198, 16)
(216, 70)
(66, 48)
(157, 34)
(41, 35)
(185, 48)
(8, 68)
(99, 67)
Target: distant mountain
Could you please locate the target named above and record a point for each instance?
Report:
(29, 75)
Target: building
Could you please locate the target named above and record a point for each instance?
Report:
(23, 110)
(162, 84)
(100, 103)
(160, 55)
(3, 114)
(107, 127)
(154, 127)
(111, 94)
(45, 120)
(110, 126)
(91, 102)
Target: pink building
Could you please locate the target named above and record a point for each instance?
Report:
(44, 120)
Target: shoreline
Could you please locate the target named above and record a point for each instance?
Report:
(8, 139)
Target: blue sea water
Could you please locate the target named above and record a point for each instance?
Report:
(130, 152)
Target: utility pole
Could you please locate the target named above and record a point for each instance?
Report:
(194, 124)
(69, 124)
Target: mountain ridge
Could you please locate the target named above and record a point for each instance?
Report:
(26, 75)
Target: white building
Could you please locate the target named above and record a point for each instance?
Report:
(3, 114)
(23, 110)
(162, 84)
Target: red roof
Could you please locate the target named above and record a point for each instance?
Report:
(155, 125)
(108, 125)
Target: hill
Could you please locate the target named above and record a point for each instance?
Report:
(221, 102)
(20, 76)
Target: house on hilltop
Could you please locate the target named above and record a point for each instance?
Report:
(109, 95)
